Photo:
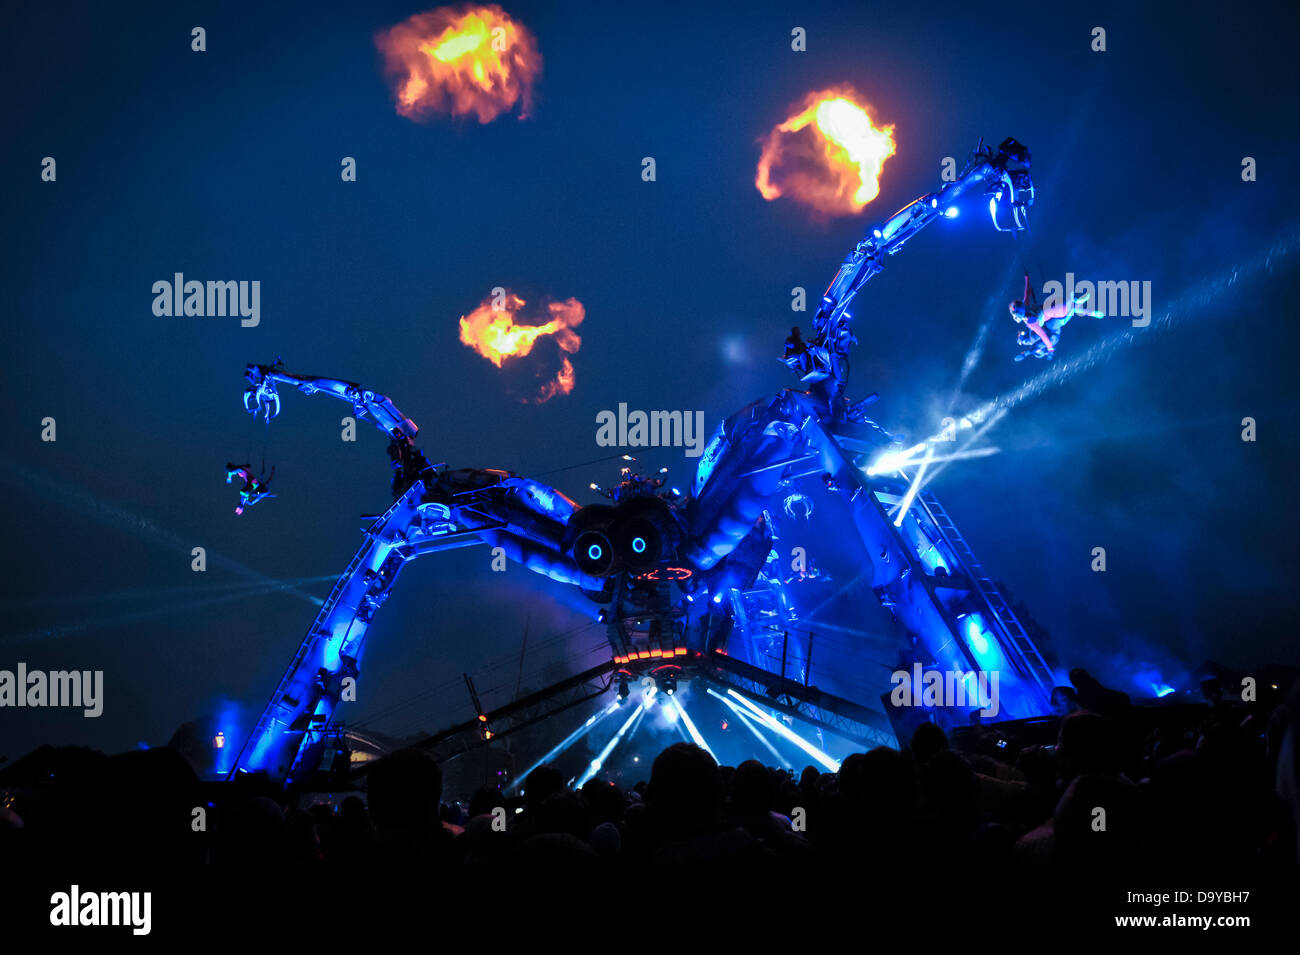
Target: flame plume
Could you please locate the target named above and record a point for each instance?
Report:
(493, 332)
(828, 155)
(460, 61)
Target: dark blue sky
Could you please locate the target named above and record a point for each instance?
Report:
(225, 165)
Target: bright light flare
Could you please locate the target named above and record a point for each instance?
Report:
(915, 488)
(891, 461)
(828, 155)
(465, 60)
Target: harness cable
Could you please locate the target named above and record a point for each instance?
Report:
(1033, 249)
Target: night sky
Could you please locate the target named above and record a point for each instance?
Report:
(225, 165)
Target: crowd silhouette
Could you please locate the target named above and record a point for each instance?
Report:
(1112, 791)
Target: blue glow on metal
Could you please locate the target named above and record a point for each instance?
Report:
(331, 659)
(988, 657)
(258, 759)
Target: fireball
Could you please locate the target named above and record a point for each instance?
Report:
(460, 61)
(493, 331)
(828, 155)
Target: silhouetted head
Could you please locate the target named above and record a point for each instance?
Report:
(563, 812)
(1038, 765)
(1017, 310)
(752, 788)
(927, 740)
(540, 783)
(405, 789)
(951, 791)
(685, 789)
(255, 833)
(605, 800)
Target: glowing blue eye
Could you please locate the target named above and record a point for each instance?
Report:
(594, 552)
(638, 544)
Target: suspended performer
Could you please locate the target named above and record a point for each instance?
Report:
(254, 489)
(1043, 324)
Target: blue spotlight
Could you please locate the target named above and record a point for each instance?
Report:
(564, 744)
(599, 761)
(910, 496)
(890, 461)
(987, 654)
(672, 701)
(833, 765)
(740, 714)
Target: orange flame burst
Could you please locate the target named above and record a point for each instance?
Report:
(471, 59)
(491, 330)
(828, 155)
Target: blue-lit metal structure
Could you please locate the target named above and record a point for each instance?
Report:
(682, 575)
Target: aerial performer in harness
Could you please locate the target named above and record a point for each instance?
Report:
(1043, 324)
(254, 489)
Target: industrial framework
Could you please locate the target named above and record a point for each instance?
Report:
(679, 574)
